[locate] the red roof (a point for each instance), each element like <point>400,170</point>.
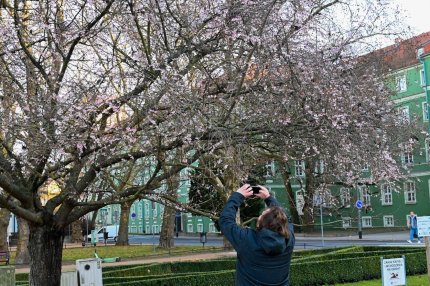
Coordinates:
<point>404,52</point>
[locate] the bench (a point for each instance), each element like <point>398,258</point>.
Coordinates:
<point>4,257</point>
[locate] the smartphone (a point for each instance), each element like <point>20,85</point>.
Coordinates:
<point>255,189</point>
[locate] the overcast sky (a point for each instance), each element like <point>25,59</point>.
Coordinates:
<point>418,14</point>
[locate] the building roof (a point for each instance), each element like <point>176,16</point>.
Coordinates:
<point>404,52</point>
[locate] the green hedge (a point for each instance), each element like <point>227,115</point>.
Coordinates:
<point>215,278</point>
<point>346,255</point>
<point>320,267</point>
<point>172,267</point>
<point>350,270</point>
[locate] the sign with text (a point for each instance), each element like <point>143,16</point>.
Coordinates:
<point>423,224</point>
<point>393,271</point>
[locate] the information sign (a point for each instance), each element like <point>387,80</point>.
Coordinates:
<point>393,271</point>
<point>423,224</point>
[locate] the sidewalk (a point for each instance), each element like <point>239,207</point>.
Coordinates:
<point>398,236</point>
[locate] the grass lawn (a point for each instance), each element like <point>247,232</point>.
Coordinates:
<point>131,251</point>
<point>419,280</point>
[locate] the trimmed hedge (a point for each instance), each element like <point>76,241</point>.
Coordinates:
<point>215,278</point>
<point>351,270</point>
<point>318,267</point>
<point>173,267</point>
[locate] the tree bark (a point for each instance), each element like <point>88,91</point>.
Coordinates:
<point>76,235</point>
<point>167,230</point>
<point>46,243</point>
<point>4,223</point>
<point>290,196</point>
<point>122,238</point>
<point>308,208</point>
<point>22,252</point>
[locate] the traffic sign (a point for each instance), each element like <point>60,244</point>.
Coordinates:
<point>358,204</point>
<point>133,215</point>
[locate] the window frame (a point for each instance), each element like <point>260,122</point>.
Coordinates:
<point>408,192</point>
<point>401,83</point>
<point>299,168</point>
<point>386,217</point>
<point>384,194</point>
<point>364,219</point>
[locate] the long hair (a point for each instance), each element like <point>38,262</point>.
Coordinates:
<point>276,220</point>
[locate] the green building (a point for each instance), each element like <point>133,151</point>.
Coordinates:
<point>383,205</point>
<point>386,205</point>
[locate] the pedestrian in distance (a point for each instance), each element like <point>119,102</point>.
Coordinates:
<point>413,228</point>
<point>263,254</point>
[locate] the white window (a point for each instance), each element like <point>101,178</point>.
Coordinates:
<point>189,227</point>
<point>410,193</point>
<point>147,210</point>
<point>147,229</point>
<point>155,229</point>
<point>425,112</point>
<point>401,83</point>
<point>365,167</point>
<point>300,168</point>
<point>270,168</point>
<point>345,197</point>
<point>407,155</point>
<point>422,78</point>
<point>388,220</point>
<point>319,167</point>
<point>364,194</point>
<point>212,227</point>
<point>324,199</point>
<point>154,211</point>
<point>366,221</point>
<point>346,222</point>
<point>199,227</point>
<point>386,195</point>
<point>403,113</point>
<point>139,211</point>
<point>427,149</point>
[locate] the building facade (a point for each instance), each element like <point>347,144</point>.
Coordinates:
<point>384,205</point>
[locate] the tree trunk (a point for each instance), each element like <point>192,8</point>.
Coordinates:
<point>4,223</point>
<point>122,238</point>
<point>22,253</point>
<point>45,245</point>
<point>290,196</point>
<point>308,208</point>
<point>76,235</point>
<point>167,230</point>
<point>92,225</point>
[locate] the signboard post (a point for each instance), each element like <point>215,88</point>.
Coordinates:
<point>423,225</point>
<point>359,205</point>
<point>393,271</point>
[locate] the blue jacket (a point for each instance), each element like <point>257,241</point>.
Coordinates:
<point>263,256</point>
